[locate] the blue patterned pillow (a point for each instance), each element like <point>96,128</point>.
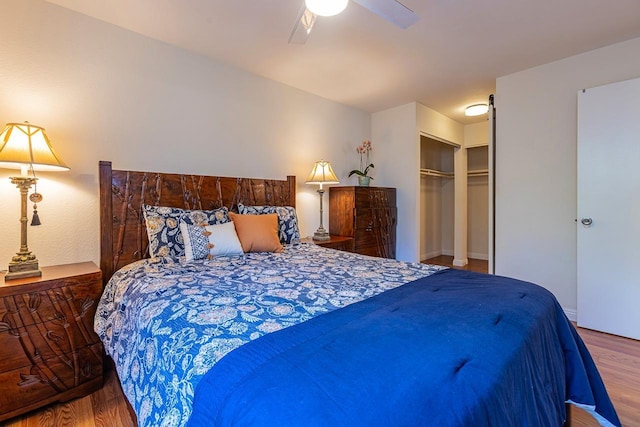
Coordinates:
<point>163,227</point>
<point>287,220</point>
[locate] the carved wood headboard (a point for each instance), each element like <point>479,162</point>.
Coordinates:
<point>123,235</point>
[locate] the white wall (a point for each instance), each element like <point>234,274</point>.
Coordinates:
<point>104,93</point>
<point>536,164</point>
<point>430,217</point>
<point>476,140</point>
<point>396,132</point>
<point>436,124</point>
<point>478,203</point>
<point>476,134</point>
<point>395,139</point>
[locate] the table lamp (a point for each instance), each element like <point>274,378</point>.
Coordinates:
<point>26,147</point>
<point>322,174</point>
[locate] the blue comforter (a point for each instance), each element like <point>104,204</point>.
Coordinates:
<point>451,349</point>
<point>165,322</point>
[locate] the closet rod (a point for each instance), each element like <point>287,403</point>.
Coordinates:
<point>479,172</point>
<point>433,172</point>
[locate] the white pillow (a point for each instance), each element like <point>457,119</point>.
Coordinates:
<point>211,240</point>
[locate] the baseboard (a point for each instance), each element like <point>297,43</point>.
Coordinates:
<point>571,314</point>
<point>429,255</point>
<point>447,252</point>
<point>478,255</point>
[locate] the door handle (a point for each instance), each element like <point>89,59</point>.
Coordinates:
<point>586,222</point>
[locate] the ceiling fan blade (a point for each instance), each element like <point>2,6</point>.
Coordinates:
<point>303,26</point>
<point>391,10</point>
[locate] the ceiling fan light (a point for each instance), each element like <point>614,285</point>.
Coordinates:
<point>326,7</point>
<point>476,110</point>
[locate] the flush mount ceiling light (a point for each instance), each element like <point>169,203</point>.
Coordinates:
<point>476,110</point>
<point>326,7</point>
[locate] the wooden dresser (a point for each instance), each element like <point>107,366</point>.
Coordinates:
<point>368,214</point>
<point>48,350</point>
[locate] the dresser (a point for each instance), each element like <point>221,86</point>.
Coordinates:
<point>48,350</point>
<point>368,214</point>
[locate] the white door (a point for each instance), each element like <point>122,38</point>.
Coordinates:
<point>609,208</point>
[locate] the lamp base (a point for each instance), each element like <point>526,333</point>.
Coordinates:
<point>23,264</point>
<point>321,235</point>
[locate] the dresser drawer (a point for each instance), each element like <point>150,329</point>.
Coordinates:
<point>374,197</point>
<point>372,236</point>
<point>375,218</point>
<point>48,377</point>
<point>381,251</point>
<point>45,305</point>
<point>48,340</point>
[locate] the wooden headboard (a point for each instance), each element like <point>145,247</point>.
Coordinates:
<point>123,235</point>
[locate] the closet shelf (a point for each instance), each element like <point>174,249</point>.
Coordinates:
<point>433,172</point>
<point>478,172</point>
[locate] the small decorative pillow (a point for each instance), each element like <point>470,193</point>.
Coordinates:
<point>207,241</point>
<point>163,227</point>
<point>257,233</point>
<point>288,230</point>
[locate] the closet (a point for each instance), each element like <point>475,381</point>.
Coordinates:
<point>437,192</point>
<point>478,202</point>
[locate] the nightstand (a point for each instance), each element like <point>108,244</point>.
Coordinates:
<point>341,243</point>
<point>48,350</point>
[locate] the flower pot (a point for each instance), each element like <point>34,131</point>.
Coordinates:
<point>363,181</point>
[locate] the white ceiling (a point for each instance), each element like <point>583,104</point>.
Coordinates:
<point>449,59</point>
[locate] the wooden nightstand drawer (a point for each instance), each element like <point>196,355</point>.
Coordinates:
<point>48,350</point>
<point>40,383</point>
<point>341,243</point>
<point>66,301</point>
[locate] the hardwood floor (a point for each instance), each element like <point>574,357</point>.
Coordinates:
<point>479,265</point>
<point>618,360</point>
<point>106,407</point>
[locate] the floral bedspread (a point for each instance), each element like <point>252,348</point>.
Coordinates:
<point>165,323</point>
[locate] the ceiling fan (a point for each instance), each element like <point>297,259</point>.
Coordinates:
<point>391,10</point>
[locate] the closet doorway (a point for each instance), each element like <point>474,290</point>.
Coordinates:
<point>437,197</point>
<point>478,204</point>
<point>442,200</point>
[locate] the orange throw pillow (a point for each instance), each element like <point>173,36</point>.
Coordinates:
<point>257,233</point>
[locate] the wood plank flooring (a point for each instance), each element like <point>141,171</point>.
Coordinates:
<point>479,265</point>
<point>106,407</point>
<point>618,360</point>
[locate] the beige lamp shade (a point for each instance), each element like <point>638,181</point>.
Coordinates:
<point>322,173</point>
<point>24,144</point>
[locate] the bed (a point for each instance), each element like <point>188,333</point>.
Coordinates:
<point>313,336</point>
